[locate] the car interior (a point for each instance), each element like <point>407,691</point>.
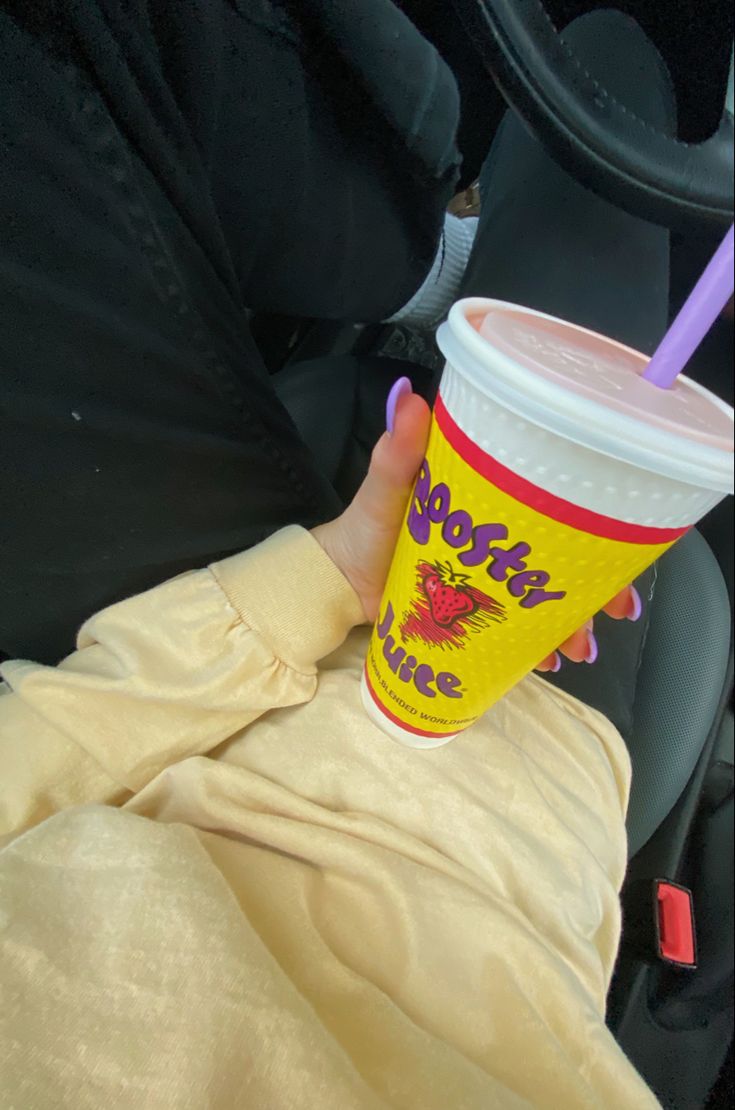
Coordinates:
<point>671,1003</point>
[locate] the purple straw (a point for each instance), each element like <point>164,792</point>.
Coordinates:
<point>702,307</point>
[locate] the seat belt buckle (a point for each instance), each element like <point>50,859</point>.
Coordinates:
<point>675,928</point>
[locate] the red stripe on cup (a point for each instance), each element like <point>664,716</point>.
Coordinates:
<point>557,508</point>
<point>397,720</point>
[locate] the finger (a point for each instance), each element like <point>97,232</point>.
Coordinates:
<point>551,663</point>
<point>398,454</point>
<point>581,647</point>
<point>396,459</point>
<point>626,605</point>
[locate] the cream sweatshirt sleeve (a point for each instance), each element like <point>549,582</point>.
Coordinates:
<point>169,674</point>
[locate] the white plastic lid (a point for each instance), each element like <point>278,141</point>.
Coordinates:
<point>589,389</point>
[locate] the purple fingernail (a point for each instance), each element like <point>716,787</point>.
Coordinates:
<point>557,663</point>
<point>403,385</point>
<point>637,605</point>
<point>592,650</point>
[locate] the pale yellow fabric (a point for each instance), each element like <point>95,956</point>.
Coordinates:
<point>259,900</point>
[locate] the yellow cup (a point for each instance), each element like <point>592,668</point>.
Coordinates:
<point>539,498</point>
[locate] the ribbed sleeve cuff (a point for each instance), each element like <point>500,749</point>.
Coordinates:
<point>441,285</point>
<point>289,590</point>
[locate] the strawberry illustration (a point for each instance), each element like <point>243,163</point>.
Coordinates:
<point>447,594</point>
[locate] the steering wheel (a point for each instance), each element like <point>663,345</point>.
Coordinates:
<point>591,134</point>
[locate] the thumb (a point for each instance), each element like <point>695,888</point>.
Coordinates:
<point>362,539</point>
<point>395,461</point>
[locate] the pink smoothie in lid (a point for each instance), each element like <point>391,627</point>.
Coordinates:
<point>606,373</point>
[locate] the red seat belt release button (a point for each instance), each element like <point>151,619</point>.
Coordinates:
<point>675,924</point>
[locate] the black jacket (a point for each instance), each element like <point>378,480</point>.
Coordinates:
<point>166,168</point>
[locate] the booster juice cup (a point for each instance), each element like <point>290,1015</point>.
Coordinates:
<point>554,475</point>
